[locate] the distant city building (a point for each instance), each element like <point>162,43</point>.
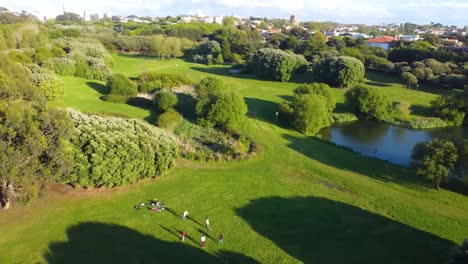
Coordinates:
<point>94,17</point>
<point>294,19</point>
<point>218,20</point>
<point>384,42</point>
<point>187,19</point>
<point>207,19</point>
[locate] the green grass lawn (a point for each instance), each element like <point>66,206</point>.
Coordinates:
<point>300,200</point>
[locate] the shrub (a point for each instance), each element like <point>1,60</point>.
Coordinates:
<point>51,85</point>
<point>344,118</point>
<point>449,108</point>
<point>319,89</point>
<point>340,71</point>
<point>164,100</point>
<point>369,102</point>
<point>208,90</point>
<point>310,113</point>
<point>111,151</point>
<point>119,84</point>
<point>62,66</point>
<point>228,111</point>
<point>151,81</point>
<point>409,79</point>
<point>169,119</point>
<point>274,64</point>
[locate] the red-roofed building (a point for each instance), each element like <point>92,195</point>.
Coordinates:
<point>384,42</point>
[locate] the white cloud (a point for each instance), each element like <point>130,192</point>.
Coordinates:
<point>357,11</point>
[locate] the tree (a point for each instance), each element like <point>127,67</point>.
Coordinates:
<point>274,64</point>
<point>165,100</point>
<point>208,90</point>
<point>228,111</point>
<point>120,84</point>
<point>169,119</point>
<point>369,102</point>
<point>310,113</point>
<point>450,108</point>
<point>409,79</point>
<point>434,160</point>
<point>340,71</point>
<point>318,89</point>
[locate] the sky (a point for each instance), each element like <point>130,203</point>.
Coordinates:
<point>449,12</point>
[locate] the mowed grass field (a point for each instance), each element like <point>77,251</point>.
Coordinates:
<point>300,200</point>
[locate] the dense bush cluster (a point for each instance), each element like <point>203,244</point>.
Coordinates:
<point>152,81</point>
<point>169,119</point>
<point>216,107</point>
<point>120,84</point>
<point>340,71</point>
<point>159,45</point>
<point>164,100</point>
<point>431,71</point>
<point>209,144</point>
<point>110,151</point>
<point>452,109</point>
<point>276,64</point>
<point>311,108</point>
<point>83,59</point>
<point>369,102</point>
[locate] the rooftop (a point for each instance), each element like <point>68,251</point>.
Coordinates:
<point>382,39</point>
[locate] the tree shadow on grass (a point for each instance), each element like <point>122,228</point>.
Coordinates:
<point>377,84</point>
<point>422,110</point>
<point>186,106</point>
<point>262,109</point>
<point>98,87</point>
<point>298,78</point>
<point>345,159</point>
<point>92,242</point>
<point>319,230</point>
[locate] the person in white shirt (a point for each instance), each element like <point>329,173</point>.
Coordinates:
<point>207,224</point>
<point>203,241</point>
<point>184,216</point>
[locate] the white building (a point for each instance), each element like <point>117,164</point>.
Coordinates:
<point>218,20</point>
<point>408,37</point>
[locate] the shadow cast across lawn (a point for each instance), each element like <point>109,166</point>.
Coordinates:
<point>224,71</point>
<point>93,242</point>
<point>347,160</point>
<point>262,109</point>
<point>98,87</point>
<point>319,230</point>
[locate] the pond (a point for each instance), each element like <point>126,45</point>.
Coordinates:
<point>386,142</point>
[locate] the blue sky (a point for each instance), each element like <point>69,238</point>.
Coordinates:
<point>452,12</point>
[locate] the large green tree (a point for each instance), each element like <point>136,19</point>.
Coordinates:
<point>434,160</point>
<point>340,71</point>
<point>369,102</point>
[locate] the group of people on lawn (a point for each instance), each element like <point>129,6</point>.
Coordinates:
<point>203,238</point>
<point>159,207</point>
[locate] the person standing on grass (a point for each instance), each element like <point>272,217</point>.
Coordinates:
<point>184,216</point>
<point>203,241</point>
<point>182,234</point>
<point>220,239</point>
<point>207,224</point>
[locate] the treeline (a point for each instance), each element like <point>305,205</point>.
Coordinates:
<point>160,45</point>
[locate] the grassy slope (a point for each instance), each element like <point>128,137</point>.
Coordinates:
<point>301,200</point>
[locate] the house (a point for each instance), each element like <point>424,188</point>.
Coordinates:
<point>384,42</point>
<point>218,20</point>
<point>186,19</point>
<point>207,19</point>
<point>408,37</point>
